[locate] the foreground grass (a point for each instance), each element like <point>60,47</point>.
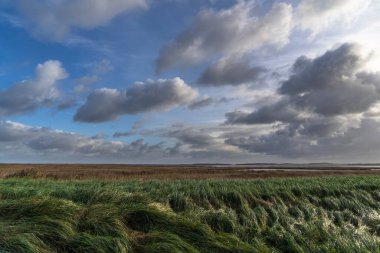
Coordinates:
<point>326,214</point>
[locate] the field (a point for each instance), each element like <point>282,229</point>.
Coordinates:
<point>170,172</point>
<point>308,214</point>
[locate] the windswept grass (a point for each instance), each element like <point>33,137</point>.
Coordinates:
<point>326,214</point>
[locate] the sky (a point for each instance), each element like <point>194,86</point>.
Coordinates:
<point>189,81</point>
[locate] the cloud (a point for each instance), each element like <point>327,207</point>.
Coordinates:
<point>334,139</point>
<point>192,144</point>
<point>55,20</point>
<point>108,104</point>
<point>334,83</point>
<point>206,101</point>
<point>330,85</point>
<point>97,70</point>
<point>67,103</point>
<point>200,144</point>
<point>267,114</point>
<point>192,137</point>
<point>324,104</point>
<point>317,15</point>
<point>83,83</point>
<point>231,71</point>
<point>19,141</point>
<point>243,29</point>
<point>29,95</point>
<point>230,31</point>
<point>135,127</point>
<point>55,145</point>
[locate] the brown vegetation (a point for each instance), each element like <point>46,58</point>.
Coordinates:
<point>146,172</point>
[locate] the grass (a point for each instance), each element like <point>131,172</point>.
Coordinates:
<point>171,172</point>
<point>320,214</point>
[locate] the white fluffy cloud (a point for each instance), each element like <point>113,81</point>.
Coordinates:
<point>241,29</point>
<point>29,95</point>
<point>229,31</point>
<point>161,95</point>
<point>54,20</point>
<point>316,15</point>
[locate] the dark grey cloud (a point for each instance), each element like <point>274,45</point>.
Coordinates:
<point>12,131</point>
<point>67,103</point>
<point>108,104</point>
<point>323,105</point>
<point>323,127</point>
<point>231,71</point>
<point>230,31</point>
<point>206,101</point>
<point>200,144</point>
<point>29,95</point>
<point>333,84</point>
<point>324,140</point>
<point>279,143</point>
<point>192,137</point>
<point>203,102</point>
<point>55,20</point>
<point>330,85</point>
<point>278,112</point>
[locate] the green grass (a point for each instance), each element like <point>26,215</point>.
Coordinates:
<point>326,214</point>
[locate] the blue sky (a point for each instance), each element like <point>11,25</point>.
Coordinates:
<point>180,81</point>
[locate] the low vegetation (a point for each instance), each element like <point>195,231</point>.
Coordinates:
<point>174,172</point>
<point>321,214</point>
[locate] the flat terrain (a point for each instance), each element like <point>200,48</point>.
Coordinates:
<point>298,215</point>
<point>148,172</point>
<point>162,209</point>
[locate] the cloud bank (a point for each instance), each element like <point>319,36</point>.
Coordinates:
<point>54,145</point>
